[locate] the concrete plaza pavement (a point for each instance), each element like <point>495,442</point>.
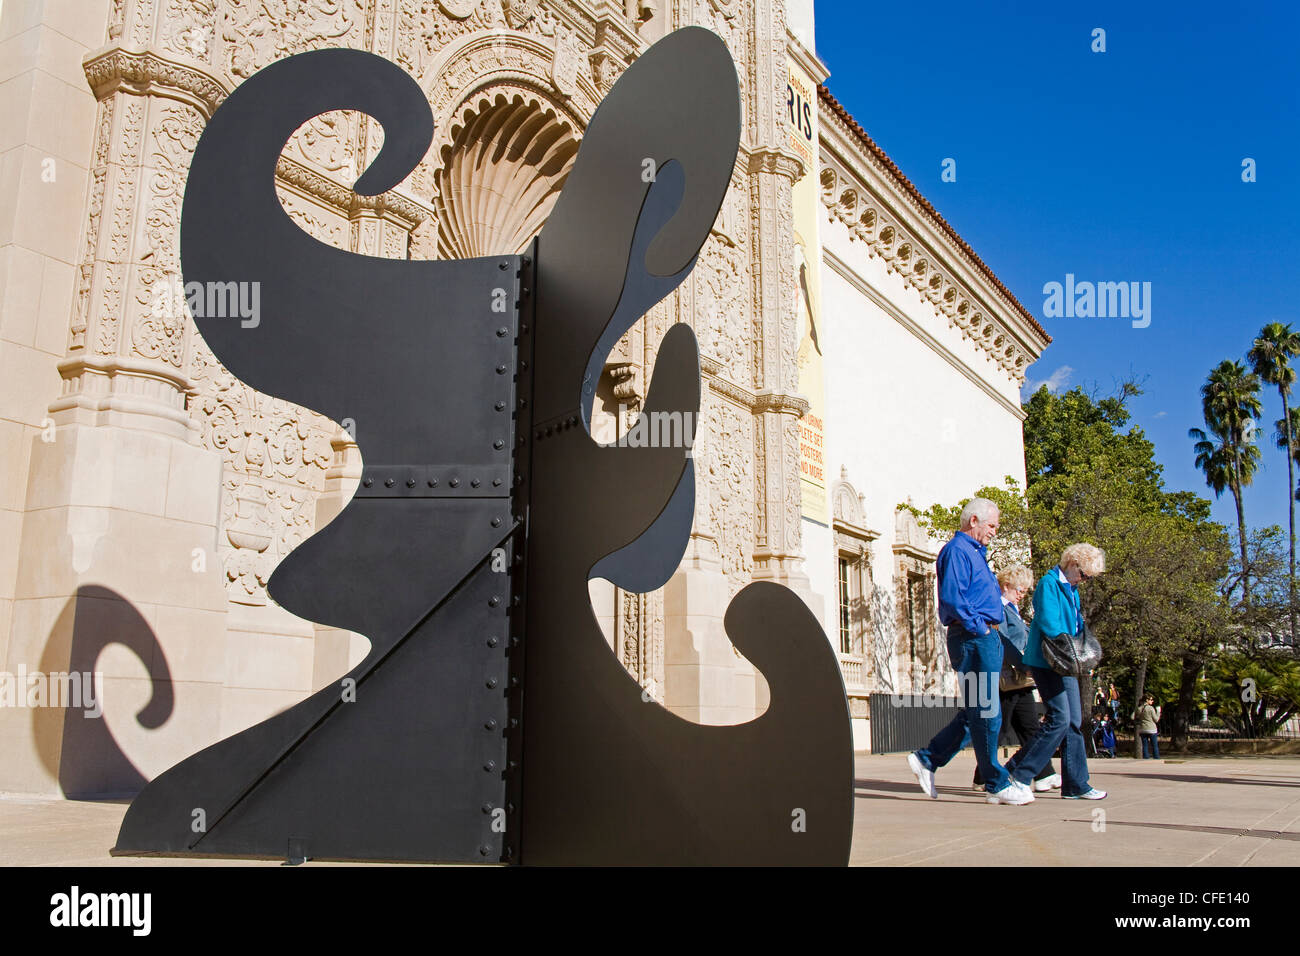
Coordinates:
<point>1198,811</point>
<point>1194,811</point>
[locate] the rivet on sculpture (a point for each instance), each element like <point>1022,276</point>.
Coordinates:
<point>490,722</point>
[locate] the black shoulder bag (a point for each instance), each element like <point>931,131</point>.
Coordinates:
<point>1072,656</point>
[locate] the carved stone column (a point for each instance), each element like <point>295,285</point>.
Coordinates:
<point>778,554</point>
<point>773,169</point>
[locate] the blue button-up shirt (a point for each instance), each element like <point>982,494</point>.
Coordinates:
<point>969,595</point>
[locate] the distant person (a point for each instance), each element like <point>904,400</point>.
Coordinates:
<point>1056,612</point>
<point>1147,717</point>
<point>1105,735</point>
<point>970,607</point>
<point>1016,685</point>
<point>1114,701</point>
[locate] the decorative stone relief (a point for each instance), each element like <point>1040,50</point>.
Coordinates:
<point>274,459</point>
<point>175,133</point>
<point>311,218</point>
<point>95,210</point>
<point>328,142</point>
<point>426,26</point>
<point>722,305</point>
<point>188,27</point>
<point>727,466</point>
<point>726,18</point>
<point>567,61</point>
<point>159,333</point>
<point>950,299</point>
<point>257,32</point>
<point>142,22</point>
<point>519,12</point>
<point>158,329</point>
<point>126,172</point>
<point>639,638</point>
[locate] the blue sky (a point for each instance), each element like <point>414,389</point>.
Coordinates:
<point>1117,166</point>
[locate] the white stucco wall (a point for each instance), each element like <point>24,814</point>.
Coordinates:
<point>907,417</point>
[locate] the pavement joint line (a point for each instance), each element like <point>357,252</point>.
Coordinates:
<point>1239,836</point>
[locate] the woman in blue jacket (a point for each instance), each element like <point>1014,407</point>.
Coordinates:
<point>1056,611</point>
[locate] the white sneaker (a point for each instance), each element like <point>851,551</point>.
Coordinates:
<point>1092,794</point>
<point>1013,793</point>
<point>1048,783</point>
<point>924,776</point>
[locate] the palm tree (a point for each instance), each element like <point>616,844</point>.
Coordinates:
<point>1230,404</point>
<point>1282,439</point>
<point>1270,358</point>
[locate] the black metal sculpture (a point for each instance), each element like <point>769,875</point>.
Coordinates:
<point>490,721</point>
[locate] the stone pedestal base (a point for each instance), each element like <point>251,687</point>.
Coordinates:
<point>118,577</point>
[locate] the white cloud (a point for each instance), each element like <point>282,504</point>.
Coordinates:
<point>1054,382</point>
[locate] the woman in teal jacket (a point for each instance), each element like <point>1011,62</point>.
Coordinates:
<point>1056,611</point>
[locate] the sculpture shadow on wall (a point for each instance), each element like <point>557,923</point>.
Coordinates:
<point>80,749</point>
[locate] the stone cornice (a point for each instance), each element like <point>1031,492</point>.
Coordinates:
<point>147,72</point>
<point>846,272</point>
<point>344,200</point>
<point>759,402</point>
<point>919,256</point>
<point>853,530</point>
<point>767,400</point>
<point>898,199</point>
<point>912,551</point>
<point>613,30</point>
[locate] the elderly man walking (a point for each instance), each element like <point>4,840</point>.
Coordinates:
<point>970,606</point>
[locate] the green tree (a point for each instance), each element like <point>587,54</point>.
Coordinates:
<point>1230,404</point>
<point>1270,358</point>
<point>1010,546</point>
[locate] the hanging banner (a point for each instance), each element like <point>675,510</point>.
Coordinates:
<point>801,134</point>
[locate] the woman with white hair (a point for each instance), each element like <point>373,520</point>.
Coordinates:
<point>1056,612</point>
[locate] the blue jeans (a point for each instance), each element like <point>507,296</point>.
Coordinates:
<point>1150,746</point>
<point>1062,728</point>
<point>978,662</point>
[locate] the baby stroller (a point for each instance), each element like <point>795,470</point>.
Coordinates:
<point>1103,736</point>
